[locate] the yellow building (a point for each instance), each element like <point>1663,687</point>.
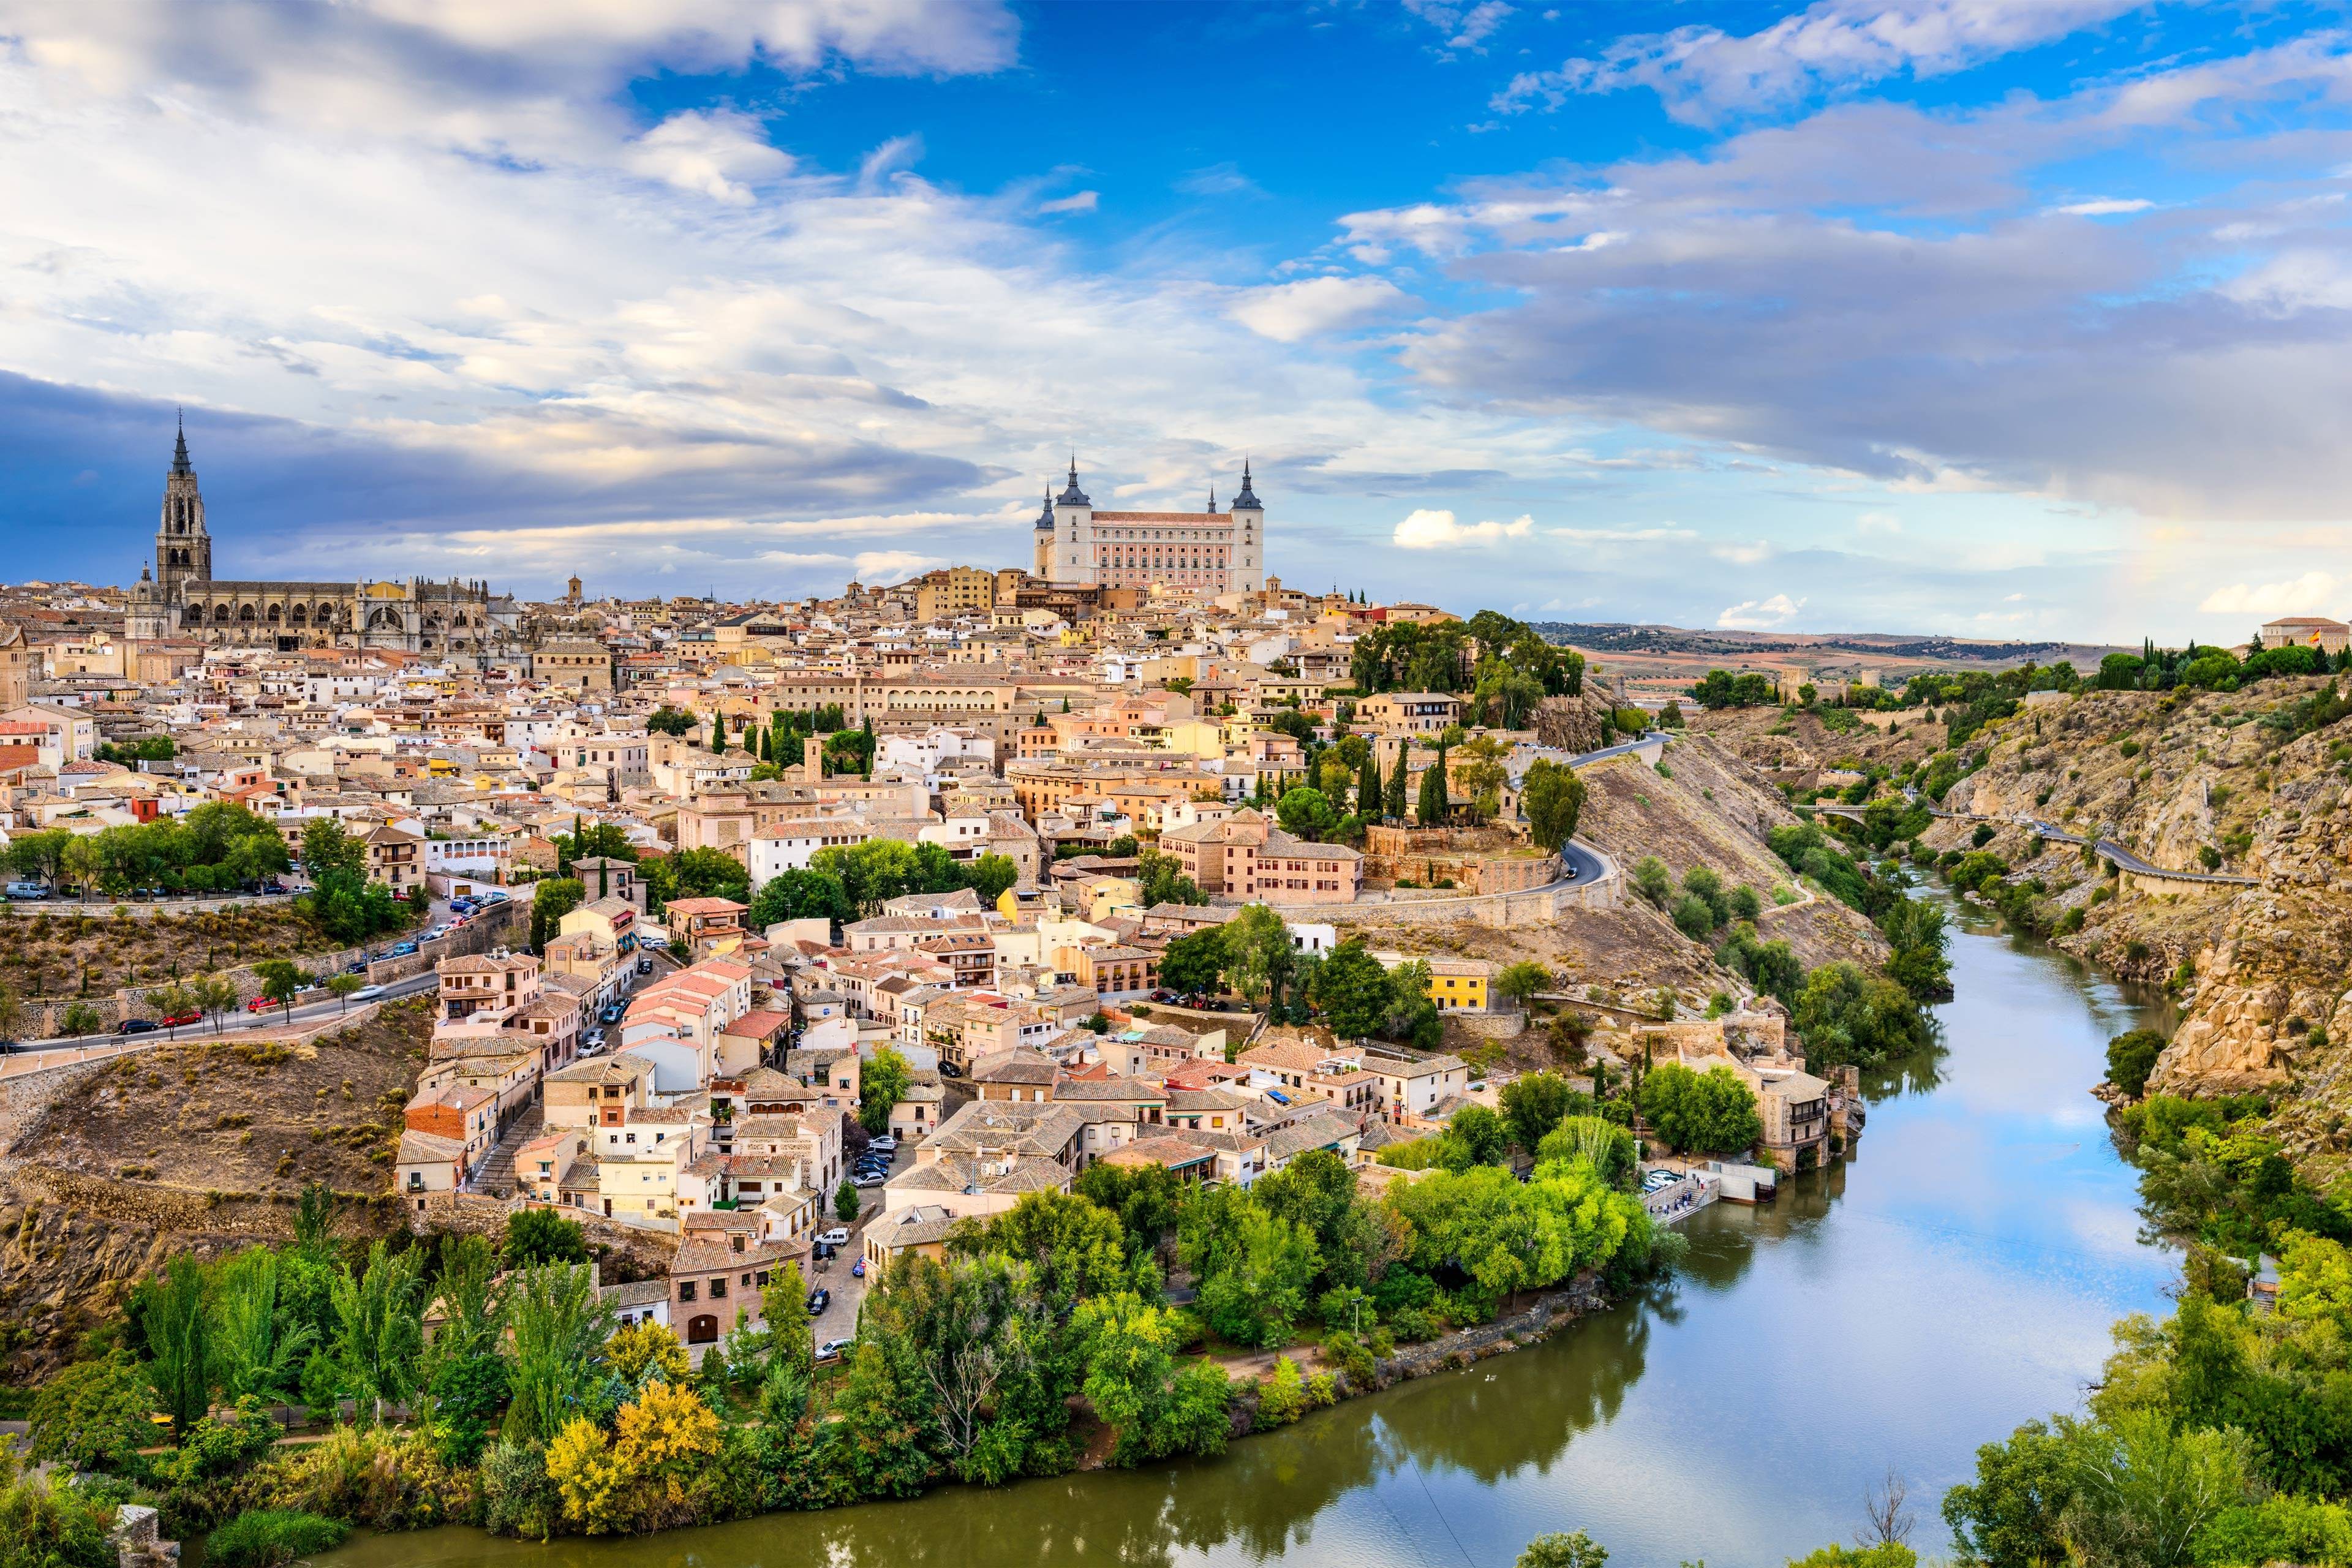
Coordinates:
<point>954,591</point>
<point>1455,985</point>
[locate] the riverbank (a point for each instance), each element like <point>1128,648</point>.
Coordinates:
<point>1958,1276</point>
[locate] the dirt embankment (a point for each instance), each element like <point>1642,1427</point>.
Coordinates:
<point>1810,740</point>
<point>1708,808</point>
<point>2236,782</point>
<point>199,1147</point>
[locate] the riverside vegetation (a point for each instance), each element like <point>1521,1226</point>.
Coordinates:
<point>1043,1341</point>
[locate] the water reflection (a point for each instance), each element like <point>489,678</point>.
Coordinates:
<point>1957,1276</point>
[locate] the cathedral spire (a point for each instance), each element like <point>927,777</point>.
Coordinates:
<point>179,449</point>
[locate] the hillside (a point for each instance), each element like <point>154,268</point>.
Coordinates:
<point>1709,808</point>
<point>2248,784</point>
<point>197,1147</point>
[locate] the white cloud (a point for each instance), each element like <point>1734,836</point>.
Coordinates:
<point>2300,595</point>
<point>1761,614</point>
<point>1077,202</point>
<point>1428,530</point>
<point>892,565</point>
<point>1466,27</point>
<point>1621,535</point>
<point>1703,72</point>
<point>1743,554</point>
<point>1218,180</point>
<point>715,154</point>
<point>2105,207</point>
<point>1287,312</point>
<point>1878,522</point>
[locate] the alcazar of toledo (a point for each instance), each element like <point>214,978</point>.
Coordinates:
<point>455,619</point>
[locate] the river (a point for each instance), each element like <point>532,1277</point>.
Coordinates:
<point>1956,1278</point>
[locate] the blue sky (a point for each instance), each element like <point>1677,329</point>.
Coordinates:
<point>2000,317</point>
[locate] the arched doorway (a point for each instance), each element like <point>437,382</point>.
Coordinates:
<point>702,1330</point>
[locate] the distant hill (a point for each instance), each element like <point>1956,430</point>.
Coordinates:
<point>1616,637</point>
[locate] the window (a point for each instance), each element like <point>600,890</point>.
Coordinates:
<point>686,1290</point>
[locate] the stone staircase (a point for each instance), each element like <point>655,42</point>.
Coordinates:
<point>496,1174</point>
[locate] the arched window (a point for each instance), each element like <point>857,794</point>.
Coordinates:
<point>220,614</point>
<point>244,614</point>
<point>273,614</point>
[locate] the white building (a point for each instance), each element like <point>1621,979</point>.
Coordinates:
<point>1208,552</point>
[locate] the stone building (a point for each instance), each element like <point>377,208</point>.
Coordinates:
<point>459,619</point>
<point>1205,553</point>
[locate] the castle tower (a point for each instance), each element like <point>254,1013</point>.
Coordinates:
<point>184,551</point>
<point>1044,548</point>
<point>1248,573</point>
<point>1073,557</point>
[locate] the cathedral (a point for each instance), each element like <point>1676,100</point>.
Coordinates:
<point>458,620</point>
<point>1207,552</point>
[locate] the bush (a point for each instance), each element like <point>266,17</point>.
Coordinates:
<point>1284,1398</point>
<point>1653,880</point>
<point>2131,1058</point>
<point>267,1537</point>
<point>1693,918</point>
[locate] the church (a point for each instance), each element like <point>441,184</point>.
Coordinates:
<point>1205,553</point>
<point>456,620</point>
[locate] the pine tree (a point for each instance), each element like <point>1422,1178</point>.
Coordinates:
<point>1368,788</point>
<point>1432,807</point>
<point>1393,803</point>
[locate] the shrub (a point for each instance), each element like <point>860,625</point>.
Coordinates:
<point>1693,918</point>
<point>2131,1058</point>
<point>1284,1398</point>
<point>1653,880</point>
<point>267,1537</point>
<point>518,1498</point>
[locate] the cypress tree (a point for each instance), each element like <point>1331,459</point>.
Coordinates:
<point>1431,806</point>
<point>1393,803</point>
<point>1368,788</point>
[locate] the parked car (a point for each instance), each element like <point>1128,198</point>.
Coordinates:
<point>819,1299</point>
<point>820,1251</point>
<point>832,1349</point>
<point>868,1179</point>
<point>837,1237</point>
<point>180,1020</point>
<point>271,888</point>
<point>653,939</point>
<point>367,993</point>
<point>1163,994</point>
<point>594,1039</point>
<point>884,1144</point>
<point>137,1026</point>
<point>610,1016</point>
<point>28,891</point>
<point>857,1269</point>
<point>494,898</point>
<point>462,906</point>
<point>357,967</point>
<point>645,966</point>
<point>948,1069</point>
<point>404,950</point>
<point>259,1004</point>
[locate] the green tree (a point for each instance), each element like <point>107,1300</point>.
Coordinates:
<point>1307,812</point>
<point>1393,798</point>
<point>342,986</point>
<point>280,980</point>
<point>1258,953</point>
<point>1254,1269</point>
<point>558,1326</point>
<point>990,876</point>
<point>1846,1013</point>
<point>379,1333</point>
<point>1134,1387</point>
<point>1710,1112</point>
<point>1533,1105</point>
<point>2011,1515</point>
<point>1476,1136</point>
<point>882,1081</point>
<point>1653,881</point>
<point>668,721</point>
<point>2131,1058</point>
<point>1432,807</point>
<point>93,1414</point>
<point>1352,990</point>
<point>799,895</point>
<point>178,1330</point>
<point>258,1346</point>
<point>550,900</point>
<point>1563,1551</point>
<point>1368,787</point>
<point>1194,963</point>
<point>845,1201</point>
<point>1163,881</point>
<point>542,1236</point>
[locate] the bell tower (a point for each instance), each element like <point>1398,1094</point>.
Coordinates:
<point>184,551</point>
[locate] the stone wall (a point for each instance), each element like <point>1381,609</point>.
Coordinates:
<point>1424,907</point>
<point>1475,859</point>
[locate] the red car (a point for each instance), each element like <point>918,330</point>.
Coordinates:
<point>259,1004</point>
<point>174,1023</point>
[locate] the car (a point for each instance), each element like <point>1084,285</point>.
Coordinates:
<point>494,898</point>
<point>594,1039</point>
<point>868,1179</point>
<point>645,966</point>
<point>653,939</point>
<point>857,1269</point>
<point>819,1299</point>
<point>837,1237</point>
<point>402,949</point>
<point>820,1251</point>
<point>356,966</point>
<point>137,1026</point>
<point>833,1350</point>
<point>462,906</point>
<point>884,1144</point>
<point>948,1069</point>
<point>1163,994</point>
<point>873,1162</point>
<point>272,889</point>
<point>180,1020</point>
<point>27,891</point>
<point>367,993</point>
<point>259,1004</point>
<point>609,1016</point>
